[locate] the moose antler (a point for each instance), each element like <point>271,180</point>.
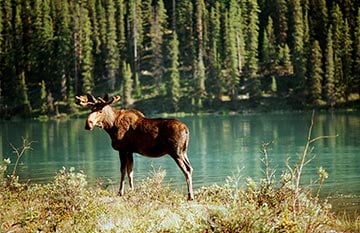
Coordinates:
<point>85,100</point>
<point>90,100</point>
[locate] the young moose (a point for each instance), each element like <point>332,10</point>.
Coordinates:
<point>131,132</point>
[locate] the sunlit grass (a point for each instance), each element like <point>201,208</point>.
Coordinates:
<point>68,204</point>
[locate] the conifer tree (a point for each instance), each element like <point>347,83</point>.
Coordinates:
<point>23,94</point>
<point>63,45</point>
<point>281,22</point>
<point>199,74</point>
<point>298,55</point>
<point>215,85</point>
<point>43,107</point>
<point>135,37</point>
<point>357,54</point>
<point>315,74</point>
<point>127,84</point>
<point>269,45</point>
<point>346,44</point>
<point>234,47</point>
<point>329,89</point>
<point>86,59</point>
<point>251,46</point>
<point>158,22</point>
<point>112,50</point>
<point>337,29</point>
<point>174,91</point>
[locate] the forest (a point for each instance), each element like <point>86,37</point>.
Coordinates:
<point>178,56</point>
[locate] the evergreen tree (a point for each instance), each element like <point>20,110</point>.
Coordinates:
<point>135,35</point>
<point>298,55</point>
<point>269,46</point>
<point>127,84</point>
<point>199,74</point>
<point>215,85</point>
<point>23,94</point>
<point>112,50</point>
<point>281,22</point>
<point>337,29</point>
<point>86,59</point>
<point>174,91</point>
<point>251,46</point>
<point>157,31</point>
<point>357,54</point>
<point>329,89</point>
<point>234,48</point>
<point>63,48</point>
<point>1,53</point>
<point>43,99</point>
<point>315,74</point>
<point>346,44</point>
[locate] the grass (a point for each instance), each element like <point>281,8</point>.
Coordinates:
<point>69,204</point>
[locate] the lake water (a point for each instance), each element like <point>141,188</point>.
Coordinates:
<point>220,146</point>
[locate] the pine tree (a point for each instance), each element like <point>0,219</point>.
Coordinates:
<point>234,49</point>
<point>43,99</point>
<point>157,31</point>
<point>251,46</point>
<point>199,74</point>
<point>112,50</point>
<point>87,61</point>
<point>329,89</point>
<point>269,46</point>
<point>357,54</point>
<point>315,74</point>
<point>346,44</point>
<point>174,91</point>
<point>215,85</point>
<point>63,48</point>
<point>298,54</point>
<point>127,84</point>
<point>136,21</point>
<point>337,29</point>
<point>23,94</point>
<point>281,22</point>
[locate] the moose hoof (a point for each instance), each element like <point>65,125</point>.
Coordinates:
<point>190,197</point>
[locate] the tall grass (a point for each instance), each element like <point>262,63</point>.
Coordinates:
<point>69,204</point>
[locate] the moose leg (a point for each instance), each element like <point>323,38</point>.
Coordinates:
<point>130,165</point>
<point>123,165</point>
<point>185,166</point>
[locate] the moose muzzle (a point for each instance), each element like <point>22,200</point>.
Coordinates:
<point>89,125</point>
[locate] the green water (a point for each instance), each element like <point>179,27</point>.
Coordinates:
<point>220,146</point>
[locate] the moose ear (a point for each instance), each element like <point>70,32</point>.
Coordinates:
<point>106,97</point>
<point>91,98</point>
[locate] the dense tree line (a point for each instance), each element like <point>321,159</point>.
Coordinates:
<point>187,54</point>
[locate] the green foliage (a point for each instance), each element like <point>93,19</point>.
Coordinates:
<point>127,84</point>
<point>226,49</point>
<point>315,74</point>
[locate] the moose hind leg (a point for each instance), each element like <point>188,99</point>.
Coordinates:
<point>186,168</point>
<point>130,165</point>
<point>123,166</point>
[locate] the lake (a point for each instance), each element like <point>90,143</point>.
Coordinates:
<point>220,146</point>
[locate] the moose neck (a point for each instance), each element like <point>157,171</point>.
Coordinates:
<point>109,117</point>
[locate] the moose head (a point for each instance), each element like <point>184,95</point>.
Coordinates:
<point>101,113</point>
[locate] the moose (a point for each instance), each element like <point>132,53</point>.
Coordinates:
<point>131,132</point>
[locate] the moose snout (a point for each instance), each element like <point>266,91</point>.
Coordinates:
<point>89,125</point>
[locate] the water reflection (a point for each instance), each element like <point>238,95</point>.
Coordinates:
<point>219,147</point>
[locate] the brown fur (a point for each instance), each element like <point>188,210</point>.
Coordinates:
<point>131,132</point>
